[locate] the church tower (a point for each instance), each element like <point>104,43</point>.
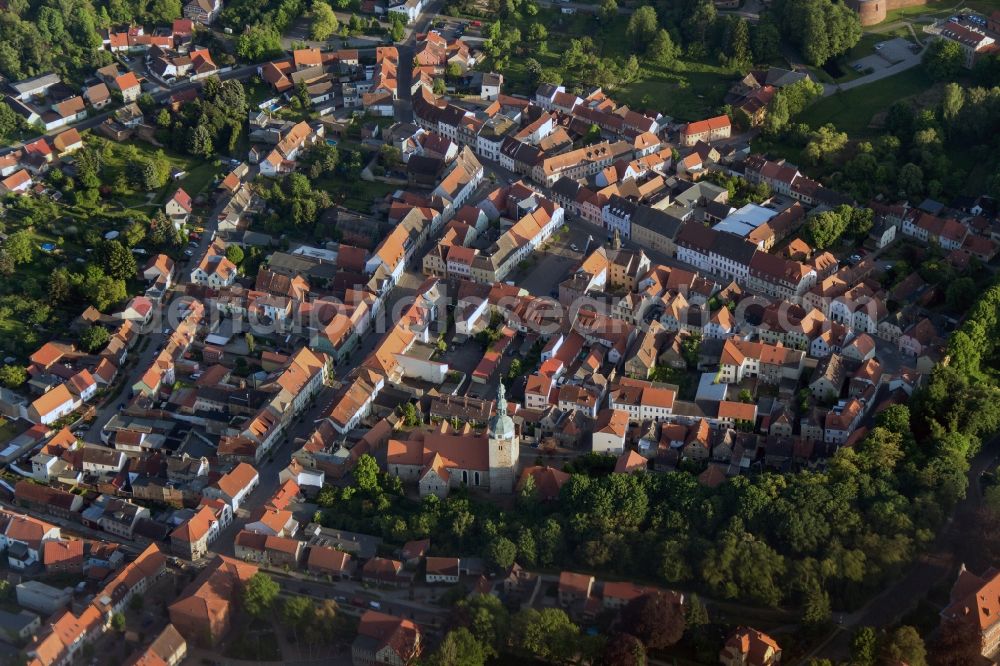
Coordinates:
<point>504,448</point>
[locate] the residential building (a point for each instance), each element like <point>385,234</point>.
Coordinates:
<point>385,639</point>
<point>975,600</point>
<point>749,647</point>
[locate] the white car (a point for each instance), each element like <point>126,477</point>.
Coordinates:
<point>574,247</point>
<point>188,253</point>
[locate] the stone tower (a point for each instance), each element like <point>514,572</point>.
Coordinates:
<point>504,448</point>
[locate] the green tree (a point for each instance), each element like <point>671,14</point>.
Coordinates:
<point>118,622</point>
<point>165,11</point>
<point>765,41</point>
<point>825,229</point>
<point>960,294</point>
<point>655,618</point>
<point>904,645</point>
<point>134,233</point>
<point>642,27</point>
<point>94,338</point>
<point>864,647</point>
<point>60,285</point>
<point>116,260</point>
<point>824,143</point>
<point>397,27</point>
<point>777,116</point>
<point>738,47</point>
<point>259,595</point>
<point>662,49</point>
<point>324,21</point>
<point>13,376</point>
<point>822,29</point>
<point>911,179</point>
<point>102,290</point>
<point>453,70</point>
<point>547,634</point>
<point>200,143</point>
<point>9,122</point>
<point>258,43</point>
<point>439,87</point>
<point>816,609</point>
<point>20,247</point>
<point>500,553</point>
<point>697,614</point>
<point>297,614</point>
<point>623,650</point>
<point>411,417</point>
<point>608,11</point>
<point>487,619</point>
<point>943,59</point>
<point>366,474</point>
<point>234,253</point>
<point>459,648</point>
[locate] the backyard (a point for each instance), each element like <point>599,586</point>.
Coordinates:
<point>355,194</point>
<point>198,174</point>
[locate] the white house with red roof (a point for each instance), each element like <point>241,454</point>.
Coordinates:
<point>138,310</point>
<point>128,85</point>
<point>17,183</point>
<point>178,207</point>
<point>233,487</point>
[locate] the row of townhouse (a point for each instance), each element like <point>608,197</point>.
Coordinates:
<point>537,219</point>
<point>323,74</point>
<point>68,379</point>
<point>787,180</point>
<point>390,362</point>
<point>537,150</point>
<point>64,636</point>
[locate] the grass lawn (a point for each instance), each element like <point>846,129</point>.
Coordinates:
<point>865,47</point>
<point>691,94</point>
<point>8,431</point>
<point>930,9</point>
<point>852,111</point>
<point>199,174</point>
<point>983,6</point>
<point>199,178</point>
<point>257,91</point>
<point>357,195</point>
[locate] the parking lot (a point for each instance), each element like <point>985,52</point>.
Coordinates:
<point>887,54</point>
<point>548,268</point>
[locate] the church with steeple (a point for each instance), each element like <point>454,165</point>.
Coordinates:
<point>441,458</point>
